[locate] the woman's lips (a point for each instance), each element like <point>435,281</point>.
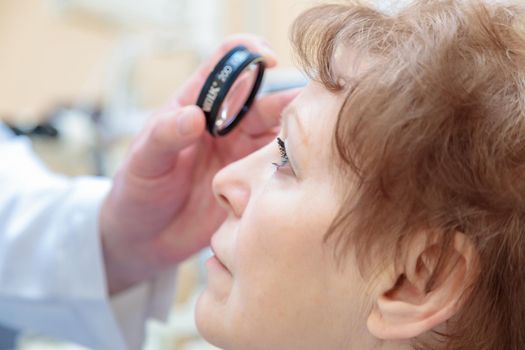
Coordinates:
<point>216,260</point>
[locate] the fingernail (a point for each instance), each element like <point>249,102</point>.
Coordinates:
<point>265,42</point>
<point>267,49</point>
<point>185,123</point>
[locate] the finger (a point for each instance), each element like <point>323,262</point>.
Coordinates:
<point>155,153</point>
<point>190,89</point>
<point>252,42</point>
<point>265,113</point>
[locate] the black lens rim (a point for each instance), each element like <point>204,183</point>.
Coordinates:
<point>222,86</point>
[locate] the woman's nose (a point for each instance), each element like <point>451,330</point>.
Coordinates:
<point>231,188</point>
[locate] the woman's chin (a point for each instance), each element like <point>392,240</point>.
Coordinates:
<point>209,318</point>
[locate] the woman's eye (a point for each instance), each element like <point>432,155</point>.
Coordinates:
<point>284,161</point>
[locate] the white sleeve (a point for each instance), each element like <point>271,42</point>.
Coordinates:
<point>52,278</point>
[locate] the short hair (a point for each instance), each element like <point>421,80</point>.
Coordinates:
<point>434,132</point>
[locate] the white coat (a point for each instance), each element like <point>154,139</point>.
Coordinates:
<point>52,278</point>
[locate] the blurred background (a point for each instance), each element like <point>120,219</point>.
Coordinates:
<point>81,77</point>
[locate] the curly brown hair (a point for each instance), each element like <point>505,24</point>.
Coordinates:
<point>434,129</point>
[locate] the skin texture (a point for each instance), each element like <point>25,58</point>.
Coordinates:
<point>274,284</point>
<point>163,188</point>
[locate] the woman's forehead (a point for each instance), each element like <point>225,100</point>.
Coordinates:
<point>316,108</point>
<point>310,121</point>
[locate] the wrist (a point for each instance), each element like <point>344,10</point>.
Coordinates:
<point>119,276</point>
<point>124,263</point>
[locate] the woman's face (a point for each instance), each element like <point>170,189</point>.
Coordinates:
<point>274,283</point>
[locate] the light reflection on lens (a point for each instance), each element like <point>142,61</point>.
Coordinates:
<point>237,96</point>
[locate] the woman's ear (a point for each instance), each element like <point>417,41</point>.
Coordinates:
<point>404,307</point>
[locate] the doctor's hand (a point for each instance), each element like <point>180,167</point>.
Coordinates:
<point>161,208</point>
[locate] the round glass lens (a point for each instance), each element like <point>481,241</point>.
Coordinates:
<point>237,96</point>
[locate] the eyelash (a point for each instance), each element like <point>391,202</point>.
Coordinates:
<point>284,156</point>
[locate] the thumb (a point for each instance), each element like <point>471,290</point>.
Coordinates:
<point>155,151</point>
